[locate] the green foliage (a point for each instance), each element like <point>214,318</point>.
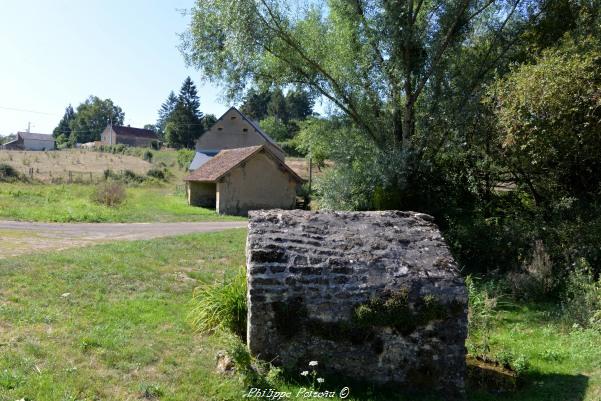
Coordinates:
<point>581,300</point>
<point>63,129</point>
<point>165,111</point>
<point>549,116</point>
<point>275,128</point>
<point>185,157</point>
<point>147,155</point>
<point>183,124</point>
<point>109,193</point>
<point>157,173</point>
<point>91,118</point>
<point>481,308</point>
<point>8,172</point>
<point>221,305</point>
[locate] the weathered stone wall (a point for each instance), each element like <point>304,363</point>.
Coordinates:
<point>374,296</point>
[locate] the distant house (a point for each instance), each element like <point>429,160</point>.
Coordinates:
<point>232,130</point>
<point>242,179</point>
<point>30,141</point>
<point>117,134</point>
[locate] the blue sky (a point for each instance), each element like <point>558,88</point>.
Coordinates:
<point>56,52</point>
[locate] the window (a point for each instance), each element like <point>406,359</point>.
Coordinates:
<point>232,117</point>
<point>244,129</point>
<point>219,128</point>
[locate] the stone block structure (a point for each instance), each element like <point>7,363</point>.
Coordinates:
<point>374,296</point>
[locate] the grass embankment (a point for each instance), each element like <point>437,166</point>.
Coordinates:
<point>110,322</point>
<point>73,203</point>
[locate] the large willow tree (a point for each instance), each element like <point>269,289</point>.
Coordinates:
<point>372,59</point>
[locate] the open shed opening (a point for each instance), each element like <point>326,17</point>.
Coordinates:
<point>202,194</point>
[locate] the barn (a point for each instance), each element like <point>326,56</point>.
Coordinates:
<point>30,141</point>
<point>242,179</point>
<point>130,136</point>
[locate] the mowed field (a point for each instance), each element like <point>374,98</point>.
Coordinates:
<point>55,165</point>
<point>110,322</point>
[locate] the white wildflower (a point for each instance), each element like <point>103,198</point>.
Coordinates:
<point>304,373</point>
<point>320,380</point>
<point>313,363</point>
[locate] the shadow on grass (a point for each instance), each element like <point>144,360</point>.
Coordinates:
<point>537,387</point>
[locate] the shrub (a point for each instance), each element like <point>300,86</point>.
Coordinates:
<point>7,172</point>
<point>184,157</point>
<point>581,300</point>
<point>481,308</point>
<point>156,173</point>
<point>148,155</point>
<point>221,305</point>
<point>109,193</point>
<point>535,280</point>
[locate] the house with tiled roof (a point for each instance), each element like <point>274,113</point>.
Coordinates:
<point>130,136</point>
<point>30,141</point>
<point>235,181</point>
<point>232,130</point>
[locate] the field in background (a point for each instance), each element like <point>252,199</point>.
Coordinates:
<point>72,203</point>
<point>301,167</point>
<point>84,165</point>
<point>110,322</point>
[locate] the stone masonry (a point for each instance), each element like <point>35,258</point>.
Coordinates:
<point>373,296</point>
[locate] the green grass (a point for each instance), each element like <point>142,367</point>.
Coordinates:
<point>72,203</point>
<point>122,330</point>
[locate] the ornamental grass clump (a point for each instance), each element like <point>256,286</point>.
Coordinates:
<point>221,305</point>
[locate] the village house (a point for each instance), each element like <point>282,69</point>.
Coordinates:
<point>30,141</point>
<point>117,134</point>
<point>232,130</point>
<point>242,179</point>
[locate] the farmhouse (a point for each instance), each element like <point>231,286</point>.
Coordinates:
<point>117,134</point>
<point>242,179</point>
<point>30,141</point>
<point>232,130</point>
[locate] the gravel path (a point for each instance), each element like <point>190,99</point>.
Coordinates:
<point>19,237</point>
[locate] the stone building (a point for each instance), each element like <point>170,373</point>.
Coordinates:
<point>238,180</point>
<point>117,134</point>
<point>30,141</point>
<point>232,130</point>
<point>372,296</point>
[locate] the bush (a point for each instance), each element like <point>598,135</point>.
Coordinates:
<point>7,172</point>
<point>536,279</point>
<point>184,157</point>
<point>156,173</point>
<point>221,305</point>
<point>147,155</point>
<point>581,300</point>
<point>109,193</point>
<point>481,307</point>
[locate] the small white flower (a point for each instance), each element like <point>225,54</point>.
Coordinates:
<point>313,363</point>
<point>304,373</point>
<point>320,380</point>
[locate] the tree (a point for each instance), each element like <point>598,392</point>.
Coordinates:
<point>299,104</point>
<point>165,111</point>
<point>208,121</point>
<point>92,117</point>
<point>63,129</point>
<point>185,122</point>
<point>275,128</point>
<point>549,117</point>
<point>372,59</point>
<point>276,107</point>
<point>255,103</point>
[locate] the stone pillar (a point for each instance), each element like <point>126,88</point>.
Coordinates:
<point>375,296</point>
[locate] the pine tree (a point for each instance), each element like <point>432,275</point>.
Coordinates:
<point>185,122</point>
<point>63,129</point>
<point>165,111</point>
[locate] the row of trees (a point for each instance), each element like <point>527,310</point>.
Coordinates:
<point>278,114</point>
<point>435,107</point>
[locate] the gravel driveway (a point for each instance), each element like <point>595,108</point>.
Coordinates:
<point>19,237</point>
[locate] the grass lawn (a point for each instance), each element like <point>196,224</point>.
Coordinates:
<point>109,323</point>
<point>72,203</point>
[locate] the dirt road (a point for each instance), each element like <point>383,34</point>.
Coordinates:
<point>19,237</point>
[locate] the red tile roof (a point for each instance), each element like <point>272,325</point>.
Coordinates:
<point>228,159</point>
<point>136,132</point>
